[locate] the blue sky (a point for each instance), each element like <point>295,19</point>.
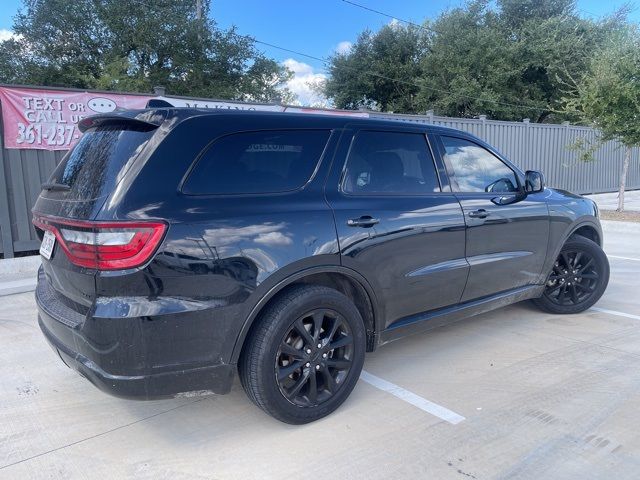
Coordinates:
<point>319,27</point>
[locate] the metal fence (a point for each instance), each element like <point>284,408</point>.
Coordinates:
<point>531,146</point>
<point>23,172</point>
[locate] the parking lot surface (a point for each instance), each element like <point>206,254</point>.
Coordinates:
<point>532,396</point>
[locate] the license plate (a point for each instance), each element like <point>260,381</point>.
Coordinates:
<point>48,242</point>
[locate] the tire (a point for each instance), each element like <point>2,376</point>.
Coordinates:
<point>591,265</point>
<point>280,364</point>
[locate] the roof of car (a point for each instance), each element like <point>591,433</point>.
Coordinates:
<point>156,116</point>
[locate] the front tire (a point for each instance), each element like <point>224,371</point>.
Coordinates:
<point>304,356</point>
<point>578,279</point>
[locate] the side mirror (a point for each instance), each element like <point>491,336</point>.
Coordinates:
<point>533,181</point>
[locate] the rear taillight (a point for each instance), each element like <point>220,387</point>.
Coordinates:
<point>105,245</point>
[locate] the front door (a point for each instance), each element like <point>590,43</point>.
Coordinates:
<point>395,225</point>
<point>507,232</point>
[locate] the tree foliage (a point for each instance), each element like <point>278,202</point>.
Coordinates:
<point>365,76</point>
<point>608,96</point>
<point>506,59</point>
<point>133,45</point>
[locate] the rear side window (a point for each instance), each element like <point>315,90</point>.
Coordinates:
<point>257,162</point>
<point>391,163</point>
<point>96,164</point>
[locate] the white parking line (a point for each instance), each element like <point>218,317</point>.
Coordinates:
<point>410,397</point>
<point>624,258</point>
<point>615,312</point>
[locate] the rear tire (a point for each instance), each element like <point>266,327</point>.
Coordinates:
<point>578,278</point>
<point>304,355</point>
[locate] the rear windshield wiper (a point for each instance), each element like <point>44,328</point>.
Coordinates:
<point>56,186</point>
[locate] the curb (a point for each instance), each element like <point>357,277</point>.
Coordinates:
<point>18,275</point>
<point>20,265</point>
<point>17,286</point>
<point>614,226</point>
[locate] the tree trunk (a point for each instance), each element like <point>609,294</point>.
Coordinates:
<point>623,179</point>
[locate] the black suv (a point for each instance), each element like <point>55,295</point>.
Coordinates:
<point>181,244</point>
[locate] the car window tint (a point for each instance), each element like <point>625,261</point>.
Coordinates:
<point>257,162</point>
<point>475,169</point>
<point>93,168</point>
<point>390,163</point>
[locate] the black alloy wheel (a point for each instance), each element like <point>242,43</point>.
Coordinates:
<point>578,278</point>
<point>574,278</point>
<point>314,358</point>
<point>304,354</point>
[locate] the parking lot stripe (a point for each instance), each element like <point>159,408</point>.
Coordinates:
<point>624,258</point>
<point>614,312</point>
<point>410,397</point>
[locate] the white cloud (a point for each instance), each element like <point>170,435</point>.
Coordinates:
<point>304,83</point>
<point>344,47</point>
<point>6,34</point>
<point>273,239</point>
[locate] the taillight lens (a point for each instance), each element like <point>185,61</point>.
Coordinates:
<point>105,245</point>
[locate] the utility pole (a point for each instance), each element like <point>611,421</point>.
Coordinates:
<point>199,10</point>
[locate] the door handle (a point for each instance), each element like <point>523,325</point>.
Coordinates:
<point>480,213</point>
<point>364,221</point>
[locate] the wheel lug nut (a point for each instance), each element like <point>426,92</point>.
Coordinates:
<point>317,367</point>
<point>324,355</point>
<point>308,364</point>
<point>319,345</point>
<point>308,350</point>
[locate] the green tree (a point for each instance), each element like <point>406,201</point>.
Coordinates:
<point>365,76</point>
<point>468,70</point>
<point>508,62</point>
<point>505,59</point>
<point>134,45</point>
<point>608,95</point>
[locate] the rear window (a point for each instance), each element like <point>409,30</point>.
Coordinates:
<point>257,162</point>
<point>96,164</point>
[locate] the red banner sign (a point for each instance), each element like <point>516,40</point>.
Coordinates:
<point>47,119</point>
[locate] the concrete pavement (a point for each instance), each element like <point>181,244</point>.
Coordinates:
<point>542,396</point>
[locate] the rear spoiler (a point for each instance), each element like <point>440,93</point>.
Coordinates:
<point>144,121</point>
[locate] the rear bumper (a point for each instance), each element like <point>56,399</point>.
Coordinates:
<point>119,366</point>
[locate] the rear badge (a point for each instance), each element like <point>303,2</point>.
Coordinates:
<point>48,242</point>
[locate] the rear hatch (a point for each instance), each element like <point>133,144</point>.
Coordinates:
<point>72,198</point>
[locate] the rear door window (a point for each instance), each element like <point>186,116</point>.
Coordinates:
<point>98,162</point>
<point>257,162</point>
<point>390,163</point>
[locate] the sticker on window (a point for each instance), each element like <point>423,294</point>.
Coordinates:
<point>273,147</point>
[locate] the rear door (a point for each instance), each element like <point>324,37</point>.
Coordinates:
<point>395,225</point>
<point>507,232</point>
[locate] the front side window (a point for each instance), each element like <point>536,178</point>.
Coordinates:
<point>475,169</point>
<point>257,162</point>
<point>390,163</point>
